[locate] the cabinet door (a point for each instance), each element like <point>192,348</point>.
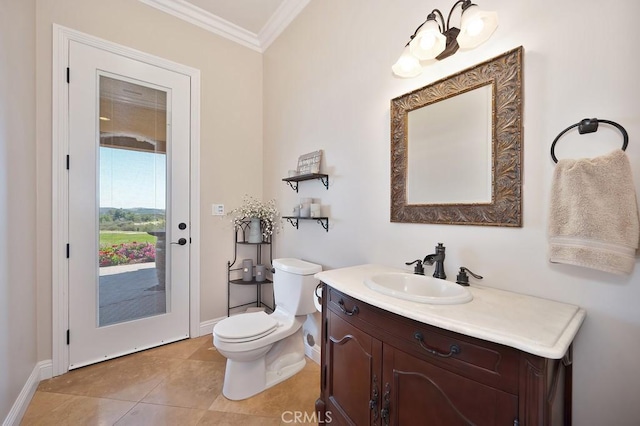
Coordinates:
<point>419,393</point>
<point>353,377</point>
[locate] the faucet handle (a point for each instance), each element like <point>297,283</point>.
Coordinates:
<point>419,269</point>
<point>463,278</point>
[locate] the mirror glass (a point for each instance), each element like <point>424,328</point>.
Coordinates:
<point>450,141</point>
<point>456,147</point>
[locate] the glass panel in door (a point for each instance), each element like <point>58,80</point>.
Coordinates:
<point>132,196</point>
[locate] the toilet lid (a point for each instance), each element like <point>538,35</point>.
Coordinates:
<point>245,327</point>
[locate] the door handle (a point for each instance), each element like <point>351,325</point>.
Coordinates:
<point>181,241</point>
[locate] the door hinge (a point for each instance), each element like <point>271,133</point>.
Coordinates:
<point>67,336</point>
<point>68,74</point>
<point>324,377</point>
<point>67,162</point>
<point>68,250</point>
<point>326,329</point>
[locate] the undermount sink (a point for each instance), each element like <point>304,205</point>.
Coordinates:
<point>419,288</point>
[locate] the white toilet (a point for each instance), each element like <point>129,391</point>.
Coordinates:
<point>263,350</point>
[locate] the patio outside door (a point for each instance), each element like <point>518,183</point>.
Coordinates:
<point>129,213</point>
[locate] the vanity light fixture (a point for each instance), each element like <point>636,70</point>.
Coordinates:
<point>435,40</point>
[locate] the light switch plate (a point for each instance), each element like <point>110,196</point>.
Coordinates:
<point>217,209</point>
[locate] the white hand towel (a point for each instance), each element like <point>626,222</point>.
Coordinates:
<point>593,218</point>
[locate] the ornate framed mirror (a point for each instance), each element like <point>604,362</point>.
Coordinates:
<point>456,147</point>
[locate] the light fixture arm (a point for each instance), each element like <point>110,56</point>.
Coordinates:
<point>433,15</point>
<point>465,4</point>
<point>430,17</point>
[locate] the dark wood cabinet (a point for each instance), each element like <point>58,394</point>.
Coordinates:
<point>361,354</point>
<point>380,368</point>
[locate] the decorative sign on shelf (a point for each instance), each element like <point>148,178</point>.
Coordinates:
<point>309,163</point>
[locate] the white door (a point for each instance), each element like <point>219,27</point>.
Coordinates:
<point>129,230</point>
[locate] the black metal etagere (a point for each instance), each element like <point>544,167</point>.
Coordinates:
<point>240,240</point>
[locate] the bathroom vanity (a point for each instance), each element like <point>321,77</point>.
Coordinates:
<point>501,359</point>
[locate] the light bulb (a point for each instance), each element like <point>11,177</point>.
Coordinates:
<point>407,65</point>
<point>475,27</point>
<point>428,42</point>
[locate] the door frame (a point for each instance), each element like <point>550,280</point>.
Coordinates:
<point>60,188</point>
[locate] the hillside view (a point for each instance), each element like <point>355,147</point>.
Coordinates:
<point>138,219</point>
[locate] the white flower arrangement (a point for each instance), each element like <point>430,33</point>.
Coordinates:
<point>252,208</point>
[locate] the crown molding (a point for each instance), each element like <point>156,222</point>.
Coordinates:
<point>186,11</point>
<point>280,20</point>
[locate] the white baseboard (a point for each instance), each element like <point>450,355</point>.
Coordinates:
<point>206,327</point>
<point>46,369</point>
<point>43,370</point>
<point>313,353</point>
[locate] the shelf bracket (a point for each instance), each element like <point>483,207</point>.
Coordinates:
<point>294,180</point>
<point>325,182</point>
<point>324,222</point>
<point>293,221</point>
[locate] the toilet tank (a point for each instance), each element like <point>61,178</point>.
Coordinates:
<point>294,284</point>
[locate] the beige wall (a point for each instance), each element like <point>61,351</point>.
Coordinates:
<point>231,128</point>
<point>328,84</point>
<point>17,199</point>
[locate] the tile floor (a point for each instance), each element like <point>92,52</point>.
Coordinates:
<point>176,384</point>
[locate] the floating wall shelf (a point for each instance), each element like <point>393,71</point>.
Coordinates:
<point>293,220</point>
<point>293,181</point>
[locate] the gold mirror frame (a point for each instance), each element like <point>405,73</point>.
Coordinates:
<point>504,73</point>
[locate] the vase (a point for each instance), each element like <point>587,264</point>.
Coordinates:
<point>255,231</point>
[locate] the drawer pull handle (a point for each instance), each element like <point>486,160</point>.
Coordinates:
<point>353,310</point>
<point>453,349</point>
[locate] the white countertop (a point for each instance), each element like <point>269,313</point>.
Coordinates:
<point>538,326</point>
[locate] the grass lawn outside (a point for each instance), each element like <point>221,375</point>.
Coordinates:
<point>109,238</point>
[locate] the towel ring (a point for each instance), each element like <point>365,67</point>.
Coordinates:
<point>589,125</point>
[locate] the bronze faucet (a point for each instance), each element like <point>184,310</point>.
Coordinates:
<point>438,259</point>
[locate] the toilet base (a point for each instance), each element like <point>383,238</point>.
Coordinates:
<point>275,377</point>
<point>238,389</point>
<point>244,379</point>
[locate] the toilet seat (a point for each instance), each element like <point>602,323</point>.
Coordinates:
<point>245,327</point>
